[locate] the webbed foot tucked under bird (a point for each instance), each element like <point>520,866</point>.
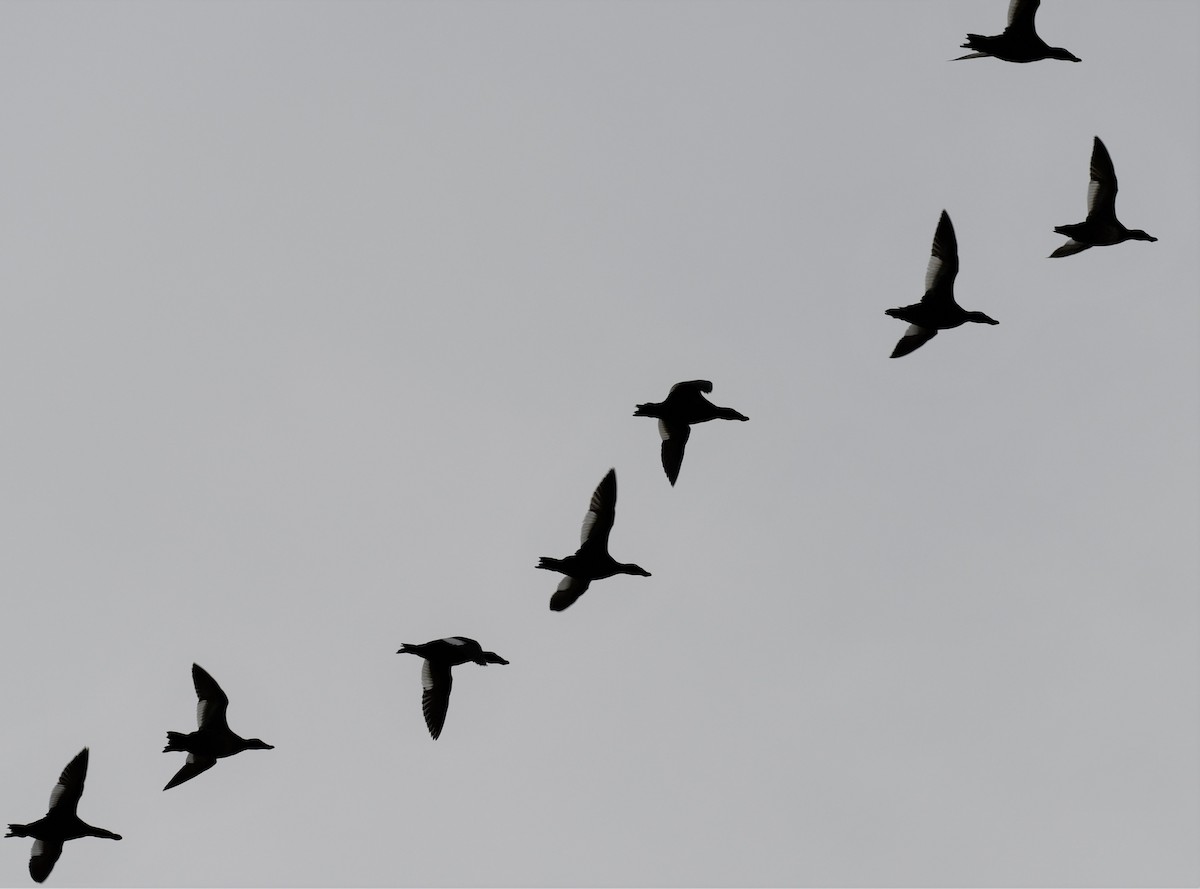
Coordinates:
<point>937,309</point>
<point>60,822</point>
<point>684,406</point>
<point>1019,42</point>
<point>1101,228</point>
<point>591,561</point>
<point>213,739</point>
<point>436,680</point>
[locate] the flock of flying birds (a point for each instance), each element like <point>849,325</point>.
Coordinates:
<point>684,406</point>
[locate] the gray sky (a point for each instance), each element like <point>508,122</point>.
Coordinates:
<point>322,321</point>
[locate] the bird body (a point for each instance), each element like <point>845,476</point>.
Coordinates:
<point>684,406</point>
<point>1019,41</point>
<point>436,680</point>
<point>592,560</point>
<point>937,309</point>
<point>60,823</point>
<point>213,739</point>
<point>1101,228</point>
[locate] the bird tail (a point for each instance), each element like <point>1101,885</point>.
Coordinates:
<point>649,409</point>
<point>175,743</point>
<point>972,43</point>
<point>18,830</point>
<point>550,564</point>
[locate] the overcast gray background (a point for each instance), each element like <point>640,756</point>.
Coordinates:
<point>319,323</point>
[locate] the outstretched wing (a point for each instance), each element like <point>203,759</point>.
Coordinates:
<point>569,589</point>
<point>66,793</point>
<point>1021,14</point>
<point>943,262</point>
<point>695,385</point>
<point>435,699</point>
<point>1102,184</point>
<point>674,440</point>
<point>194,766</point>
<point>211,702</point>
<point>601,511</point>
<point>1069,249</point>
<point>914,338</point>
<point>43,858</point>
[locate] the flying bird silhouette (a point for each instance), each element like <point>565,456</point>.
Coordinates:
<point>436,680</point>
<point>1101,227</point>
<point>60,822</point>
<point>213,739</point>
<point>591,561</point>
<point>684,406</point>
<point>1019,42</point>
<point>937,309</point>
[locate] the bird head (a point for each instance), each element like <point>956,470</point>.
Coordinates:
<point>1057,52</point>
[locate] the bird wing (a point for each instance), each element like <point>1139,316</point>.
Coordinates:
<point>943,262</point>
<point>1102,184</point>
<point>915,337</point>
<point>598,521</point>
<point>69,789</point>
<point>190,769</point>
<point>569,589</point>
<point>1020,15</point>
<point>695,385</point>
<point>43,858</point>
<point>435,699</point>
<point>211,702</point>
<point>1069,249</point>
<point>674,440</point>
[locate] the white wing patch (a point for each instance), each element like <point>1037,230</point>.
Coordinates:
<point>589,522</point>
<point>426,676</point>
<point>454,640</point>
<point>934,269</point>
<point>1070,248</point>
<point>663,431</point>
<point>1013,5</point>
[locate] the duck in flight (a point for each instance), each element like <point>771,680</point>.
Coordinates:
<point>937,309</point>
<point>440,655</point>
<point>1019,42</point>
<point>60,823</point>
<point>591,561</point>
<point>213,739</point>
<point>684,406</point>
<point>1101,227</point>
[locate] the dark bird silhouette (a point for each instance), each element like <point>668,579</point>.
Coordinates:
<point>440,655</point>
<point>937,309</point>
<point>1019,42</point>
<point>213,739</point>
<point>684,406</point>
<point>1101,227</point>
<point>591,561</point>
<point>60,823</point>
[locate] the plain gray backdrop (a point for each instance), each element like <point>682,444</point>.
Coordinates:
<point>320,322</point>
